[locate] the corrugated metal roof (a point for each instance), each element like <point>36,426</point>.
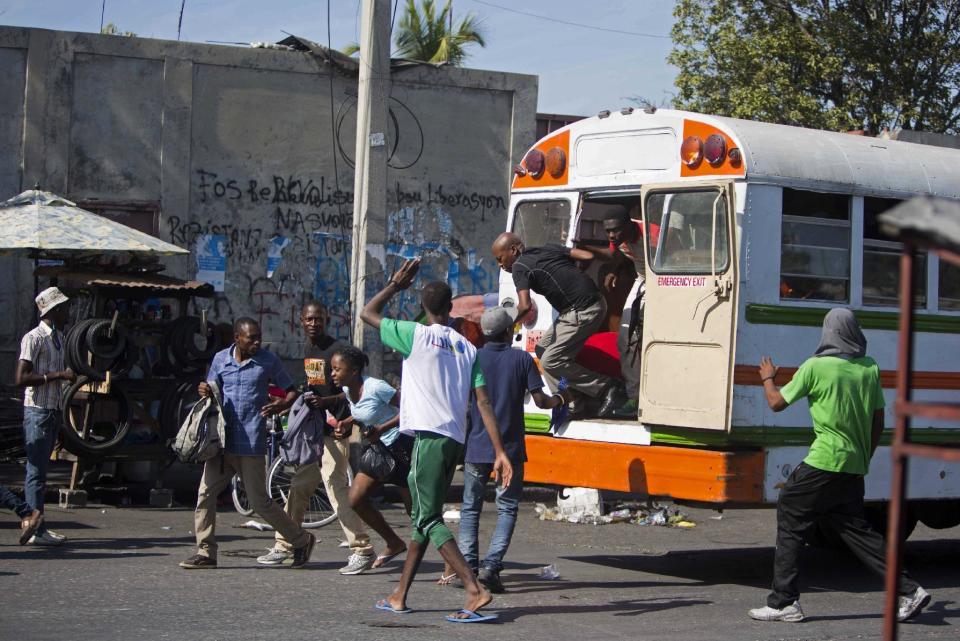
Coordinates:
<point>155,282</point>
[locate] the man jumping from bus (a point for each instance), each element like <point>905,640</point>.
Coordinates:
<point>552,272</point>
<point>439,369</point>
<point>842,386</point>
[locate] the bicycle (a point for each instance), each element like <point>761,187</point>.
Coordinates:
<point>319,510</point>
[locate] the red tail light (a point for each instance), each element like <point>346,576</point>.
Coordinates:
<point>715,149</point>
<point>534,163</point>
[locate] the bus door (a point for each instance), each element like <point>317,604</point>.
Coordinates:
<point>538,219</point>
<point>691,305</point>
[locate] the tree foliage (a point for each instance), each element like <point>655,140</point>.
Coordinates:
<point>426,35</point>
<point>841,64</point>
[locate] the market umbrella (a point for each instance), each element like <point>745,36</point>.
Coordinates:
<point>41,223</point>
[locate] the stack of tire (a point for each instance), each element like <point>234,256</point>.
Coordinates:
<point>92,349</point>
<point>181,353</point>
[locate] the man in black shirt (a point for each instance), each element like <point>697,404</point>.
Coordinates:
<point>336,448</point>
<point>551,272</point>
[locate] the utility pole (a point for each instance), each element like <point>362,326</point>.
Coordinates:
<point>370,173</point>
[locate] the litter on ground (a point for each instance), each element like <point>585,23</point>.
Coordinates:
<point>256,525</point>
<point>581,507</point>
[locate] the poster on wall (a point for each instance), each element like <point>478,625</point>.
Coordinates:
<point>212,259</point>
<point>275,253</point>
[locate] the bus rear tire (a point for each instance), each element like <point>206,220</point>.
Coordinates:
<point>938,515</point>
<point>878,515</point>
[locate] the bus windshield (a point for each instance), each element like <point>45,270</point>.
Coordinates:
<point>687,221</point>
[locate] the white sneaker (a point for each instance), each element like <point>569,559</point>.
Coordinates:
<point>48,538</point>
<point>791,614</point>
<point>358,564</point>
<point>910,606</point>
<point>275,556</point>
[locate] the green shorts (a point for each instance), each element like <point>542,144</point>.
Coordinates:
<point>432,466</point>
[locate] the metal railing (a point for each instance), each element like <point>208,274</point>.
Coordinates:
<point>905,409</point>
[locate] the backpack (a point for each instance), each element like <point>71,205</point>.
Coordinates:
<point>302,442</point>
<point>203,434</point>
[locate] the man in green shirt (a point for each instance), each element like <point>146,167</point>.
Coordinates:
<point>842,386</point>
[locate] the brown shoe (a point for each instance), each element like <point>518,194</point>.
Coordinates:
<point>29,525</point>
<point>199,562</point>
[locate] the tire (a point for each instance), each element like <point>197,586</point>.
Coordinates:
<point>104,432</point>
<point>937,514</point>
<point>319,511</point>
<point>240,501</point>
<point>878,514</point>
<point>99,343</point>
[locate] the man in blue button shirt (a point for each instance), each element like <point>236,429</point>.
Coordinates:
<point>243,372</point>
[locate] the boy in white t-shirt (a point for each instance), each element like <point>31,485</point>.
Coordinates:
<point>439,370</point>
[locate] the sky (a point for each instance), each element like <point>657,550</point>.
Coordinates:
<point>582,70</point>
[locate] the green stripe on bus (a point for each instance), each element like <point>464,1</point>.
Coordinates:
<point>755,436</point>
<point>782,437</point>
<point>537,423</point>
<point>813,317</point>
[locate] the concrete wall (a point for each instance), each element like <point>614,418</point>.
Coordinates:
<point>258,145</point>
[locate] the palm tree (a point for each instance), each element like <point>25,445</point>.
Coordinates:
<point>425,35</point>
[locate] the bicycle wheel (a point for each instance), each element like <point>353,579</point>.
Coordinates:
<point>240,500</point>
<point>319,511</point>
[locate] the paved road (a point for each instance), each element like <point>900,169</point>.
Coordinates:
<point>119,580</point>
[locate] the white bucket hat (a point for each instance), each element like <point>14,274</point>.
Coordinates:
<point>48,299</point>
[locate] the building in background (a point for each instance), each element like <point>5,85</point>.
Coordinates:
<point>249,150</point>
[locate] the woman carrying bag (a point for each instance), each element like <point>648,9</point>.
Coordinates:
<point>386,453</point>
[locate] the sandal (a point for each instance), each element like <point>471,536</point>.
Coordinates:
<point>446,580</point>
<point>383,559</point>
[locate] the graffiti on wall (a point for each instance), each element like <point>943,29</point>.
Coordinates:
<point>288,239</point>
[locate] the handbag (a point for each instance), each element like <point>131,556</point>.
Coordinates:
<point>377,461</point>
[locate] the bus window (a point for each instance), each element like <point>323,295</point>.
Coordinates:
<point>685,220</point>
<point>949,287</point>
<point>881,260</point>
<point>815,246</point>
<point>597,209</point>
<point>539,222</point>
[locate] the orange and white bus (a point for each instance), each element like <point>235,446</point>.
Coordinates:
<point>771,226</point>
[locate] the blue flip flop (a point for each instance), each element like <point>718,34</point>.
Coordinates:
<point>382,604</point>
<point>472,617</point>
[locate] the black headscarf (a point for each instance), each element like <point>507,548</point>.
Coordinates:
<point>842,336</point>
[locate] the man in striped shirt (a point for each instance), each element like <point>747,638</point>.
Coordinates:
<point>42,373</point>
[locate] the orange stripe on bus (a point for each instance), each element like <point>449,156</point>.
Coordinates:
<point>748,375</point>
<point>648,470</point>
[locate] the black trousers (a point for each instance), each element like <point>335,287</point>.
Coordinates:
<point>834,499</point>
